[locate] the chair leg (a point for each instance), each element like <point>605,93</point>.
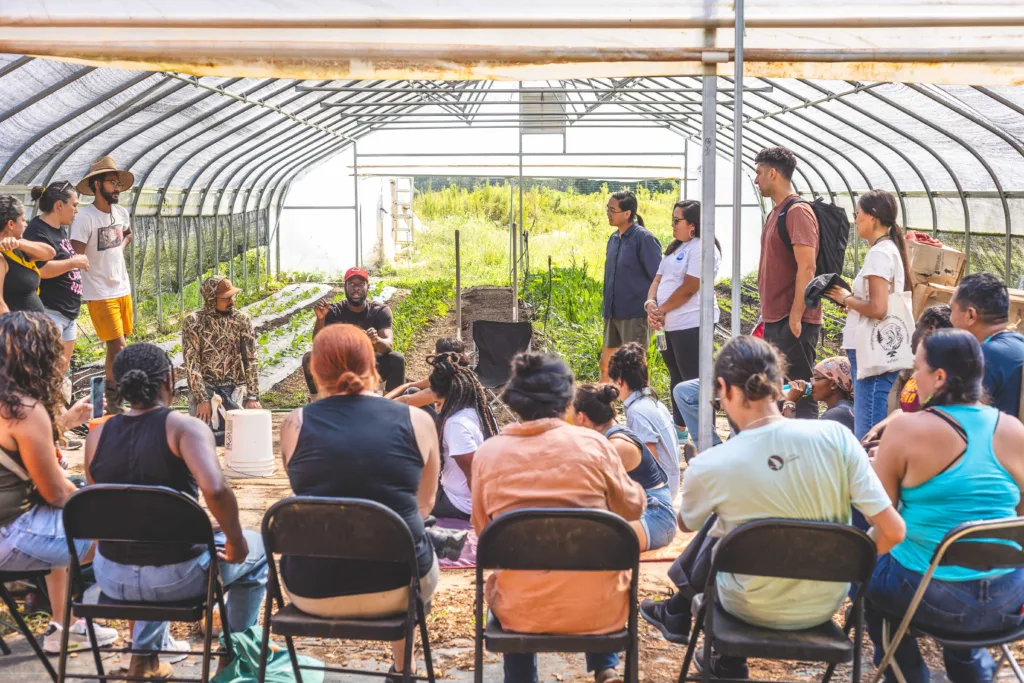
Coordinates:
<point>207,642</point>
<point>225,627</point>
<point>425,637</point>
<point>95,645</point>
<point>888,644</point>
<point>705,674</point>
<point>265,642</point>
<point>294,657</point>
<point>62,666</point>
<point>23,627</point>
<point>410,657</point>
<point>691,647</point>
<point>1012,661</point>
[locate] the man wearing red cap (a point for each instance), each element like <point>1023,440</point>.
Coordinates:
<point>371,316</point>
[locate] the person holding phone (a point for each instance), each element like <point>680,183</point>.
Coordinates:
<point>151,445</point>
<point>101,231</point>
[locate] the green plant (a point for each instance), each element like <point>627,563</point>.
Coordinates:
<point>428,300</point>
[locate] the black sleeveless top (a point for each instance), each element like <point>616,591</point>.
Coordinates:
<point>133,449</point>
<point>17,492</point>
<point>357,447</point>
<point>21,284</point>
<point>649,472</point>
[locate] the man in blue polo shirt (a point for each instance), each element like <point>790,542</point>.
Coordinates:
<point>981,306</point>
<point>631,262</point>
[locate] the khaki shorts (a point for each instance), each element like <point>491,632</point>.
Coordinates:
<point>620,331</point>
<point>112,318</point>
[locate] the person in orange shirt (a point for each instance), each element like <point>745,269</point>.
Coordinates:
<point>546,462</point>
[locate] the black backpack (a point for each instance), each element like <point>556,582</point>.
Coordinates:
<point>833,234</point>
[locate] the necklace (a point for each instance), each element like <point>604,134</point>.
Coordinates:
<point>763,419</point>
<point>880,238</point>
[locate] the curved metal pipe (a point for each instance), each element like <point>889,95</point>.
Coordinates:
<point>45,92</point>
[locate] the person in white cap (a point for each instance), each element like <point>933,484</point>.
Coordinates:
<point>101,231</point>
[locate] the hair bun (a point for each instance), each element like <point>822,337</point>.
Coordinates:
<point>349,383</point>
<point>607,393</point>
<point>133,376</point>
<point>526,364</point>
<point>37,192</point>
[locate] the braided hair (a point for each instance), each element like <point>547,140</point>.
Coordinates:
<point>140,371</point>
<point>453,380</point>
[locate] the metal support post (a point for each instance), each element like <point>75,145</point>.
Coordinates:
<point>458,289</point>
<point>245,249</point>
<point>515,236</point>
<point>355,189</point>
<point>232,250</point>
<point>181,270</point>
<point>737,168</point>
<point>686,169</point>
<point>159,294</point>
<point>707,261</point>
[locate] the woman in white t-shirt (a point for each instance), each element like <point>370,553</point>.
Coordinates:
<point>464,420</point>
<point>673,303</point>
<point>884,272</point>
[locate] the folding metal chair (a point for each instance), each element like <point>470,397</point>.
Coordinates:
<point>790,549</point>
<point>351,530</point>
<point>555,539</point>
<point>19,621</point>
<point>495,344</point>
<point>963,546</point>
<point>121,513</point>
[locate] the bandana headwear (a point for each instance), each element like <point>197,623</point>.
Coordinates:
<point>837,369</point>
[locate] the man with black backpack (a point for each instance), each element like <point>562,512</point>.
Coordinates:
<point>799,240</point>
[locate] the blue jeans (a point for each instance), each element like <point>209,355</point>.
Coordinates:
<point>659,519</point>
<point>522,668</point>
<point>962,607</point>
<point>870,397</point>
<point>245,582</point>
<point>35,541</point>
<point>687,400</point>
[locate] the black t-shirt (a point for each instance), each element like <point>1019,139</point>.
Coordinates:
<point>375,315</point>
<point>64,292</point>
<point>20,285</point>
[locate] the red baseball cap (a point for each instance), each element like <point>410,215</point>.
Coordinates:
<point>355,271</point>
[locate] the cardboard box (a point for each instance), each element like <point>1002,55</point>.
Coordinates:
<point>937,265</point>
<point>929,294</point>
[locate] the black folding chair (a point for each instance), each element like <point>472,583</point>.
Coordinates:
<point>495,344</point>
<point>346,529</point>
<point>787,549</point>
<point>963,546</point>
<point>556,539</point>
<point>115,512</point>
<point>19,621</point>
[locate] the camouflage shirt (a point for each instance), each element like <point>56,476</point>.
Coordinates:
<point>219,348</point>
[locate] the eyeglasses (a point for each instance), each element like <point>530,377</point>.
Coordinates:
<point>677,221</point>
<point>609,209</point>
<point>116,182</point>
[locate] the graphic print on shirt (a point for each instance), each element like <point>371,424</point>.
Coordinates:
<point>109,237</point>
<point>74,276</point>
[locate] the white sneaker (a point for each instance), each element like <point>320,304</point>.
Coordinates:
<point>78,637</point>
<point>174,652</point>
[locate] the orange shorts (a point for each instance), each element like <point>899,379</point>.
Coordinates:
<point>112,318</point>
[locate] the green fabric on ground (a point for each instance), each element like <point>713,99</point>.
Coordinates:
<point>246,664</point>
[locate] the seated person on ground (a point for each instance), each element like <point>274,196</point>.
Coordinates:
<point>546,462</point>
<point>594,408</point>
<point>33,487</point>
<point>831,384</point>
<point>981,305</point>
<point>219,349</point>
<point>352,443</point>
<point>370,316</point>
<point>151,445</point>
<point>464,421</point>
<point>811,470</point>
<point>646,416</point>
<point>954,462</point>
<point>904,397</point>
<point>419,393</point>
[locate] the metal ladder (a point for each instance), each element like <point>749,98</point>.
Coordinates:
<point>401,213</point>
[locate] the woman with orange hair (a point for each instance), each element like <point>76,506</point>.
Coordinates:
<point>353,443</point>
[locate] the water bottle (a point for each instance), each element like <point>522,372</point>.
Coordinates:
<point>807,389</point>
<point>660,341</point>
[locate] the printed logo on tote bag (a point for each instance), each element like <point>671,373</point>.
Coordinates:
<point>890,335</point>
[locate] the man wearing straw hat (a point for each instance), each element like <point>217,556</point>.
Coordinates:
<point>101,231</point>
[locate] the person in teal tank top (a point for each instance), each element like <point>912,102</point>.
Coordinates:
<point>956,461</point>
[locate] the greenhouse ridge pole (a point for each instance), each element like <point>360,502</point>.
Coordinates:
<point>516,231</point>
<point>355,192</point>
<point>737,170</point>
<point>458,288</point>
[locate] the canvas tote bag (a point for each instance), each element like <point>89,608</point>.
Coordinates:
<point>884,345</point>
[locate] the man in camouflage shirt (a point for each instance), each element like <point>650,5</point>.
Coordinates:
<point>219,347</point>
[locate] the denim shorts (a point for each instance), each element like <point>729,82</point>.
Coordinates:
<point>659,520</point>
<point>68,328</point>
<point>36,542</point>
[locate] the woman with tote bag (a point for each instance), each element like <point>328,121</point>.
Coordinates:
<point>879,324</point>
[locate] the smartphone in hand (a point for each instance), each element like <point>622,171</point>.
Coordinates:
<point>97,388</point>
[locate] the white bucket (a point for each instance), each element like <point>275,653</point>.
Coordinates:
<point>249,444</point>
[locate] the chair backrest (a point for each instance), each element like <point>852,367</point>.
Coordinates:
<point>118,512</point>
<point>497,343</point>
<point>339,528</point>
<point>965,546</point>
<point>795,549</point>
<point>558,539</point>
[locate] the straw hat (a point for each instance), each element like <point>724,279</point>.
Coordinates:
<point>102,166</point>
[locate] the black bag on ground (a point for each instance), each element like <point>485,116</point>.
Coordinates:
<point>833,233</point>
